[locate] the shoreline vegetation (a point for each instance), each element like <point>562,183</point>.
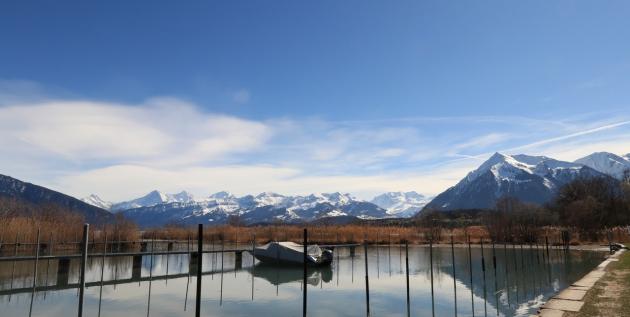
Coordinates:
<point>66,236</point>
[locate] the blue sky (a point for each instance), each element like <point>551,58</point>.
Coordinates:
<point>295,96</point>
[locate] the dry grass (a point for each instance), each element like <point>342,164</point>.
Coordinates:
<point>321,234</point>
<point>611,295</point>
<point>62,231</point>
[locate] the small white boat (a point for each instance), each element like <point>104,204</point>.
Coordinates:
<point>292,253</point>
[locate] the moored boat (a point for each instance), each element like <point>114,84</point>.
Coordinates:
<point>292,253</point>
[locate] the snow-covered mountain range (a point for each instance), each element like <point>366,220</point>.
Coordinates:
<point>534,179</point>
<point>157,208</point>
<point>401,204</point>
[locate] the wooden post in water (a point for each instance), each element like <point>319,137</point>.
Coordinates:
<point>483,270</point>
<point>547,246</point>
<point>169,248</point>
<point>188,275</point>
<point>496,282</point>
<point>454,280</point>
<point>151,275</point>
<point>367,282</point>
<point>517,276</point>
<point>407,274</point>
<point>507,274</point>
<point>84,253</point>
<point>222,262</point>
<point>199,261</point>
<point>472,296</point>
<point>304,259</point>
<point>34,273</point>
<point>523,269</point>
<point>50,251</point>
<point>431,267</point>
<point>378,269</point>
<point>15,253</point>
<point>253,263</point>
<point>100,294</point>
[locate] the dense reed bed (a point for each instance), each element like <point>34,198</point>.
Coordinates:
<point>372,234</point>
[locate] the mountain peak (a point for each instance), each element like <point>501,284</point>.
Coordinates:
<point>401,204</point>
<point>95,200</point>
<point>222,195</point>
<point>183,197</point>
<point>500,165</point>
<point>607,163</point>
<point>156,194</point>
<point>533,179</point>
<point>269,194</point>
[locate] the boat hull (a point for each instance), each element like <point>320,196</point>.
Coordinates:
<point>290,254</point>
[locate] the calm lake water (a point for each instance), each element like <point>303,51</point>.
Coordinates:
<point>338,290</point>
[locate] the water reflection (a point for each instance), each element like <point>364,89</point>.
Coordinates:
<point>516,281</point>
<point>291,274</point>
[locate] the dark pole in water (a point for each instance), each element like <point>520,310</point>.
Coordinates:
<point>454,280</point>
<point>483,270</point>
<point>407,274</point>
<point>84,249</point>
<point>100,294</point>
<point>547,246</point>
<point>389,255</point>
<point>367,283</point>
<point>34,273</point>
<point>50,250</point>
<point>222,262</point>
<point>523,269</point>
<point>378,269</point>
<point>15,253</point>
<point>496,283</point>
<point>199,256</point>
<point>472,296</point>
<point>150,275</point>
<point>253,263</point>
<point>516,273</point>
<point>431,267</point>
<point>168,249</point>
<point>304,272</point>
<point>507,274</point>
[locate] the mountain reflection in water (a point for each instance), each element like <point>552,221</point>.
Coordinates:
<point>272,290</point>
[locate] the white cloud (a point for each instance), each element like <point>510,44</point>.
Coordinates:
<point>160,131</point>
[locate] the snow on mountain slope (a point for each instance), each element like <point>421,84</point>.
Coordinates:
<point>265,207</point>
<point>270,199</point>
<point>182,197</point>
<point>154,198</point>
<point>533,179</point>
<point>401,204</point>
<point>607,163</point>
<point>94,200</point>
